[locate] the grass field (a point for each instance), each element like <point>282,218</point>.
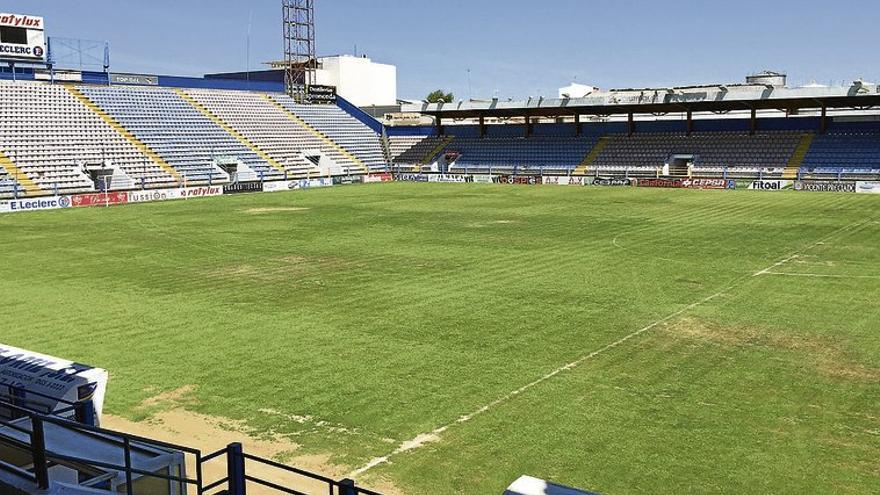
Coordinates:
<point>627,341</point>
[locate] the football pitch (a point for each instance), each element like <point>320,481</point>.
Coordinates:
<point>446,339</point>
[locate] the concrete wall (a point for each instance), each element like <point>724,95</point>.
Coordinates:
<point>360,80</point>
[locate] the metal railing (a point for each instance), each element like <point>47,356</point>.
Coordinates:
<point>235,481</point>
<point>42,459</point>
<point>238,479</point>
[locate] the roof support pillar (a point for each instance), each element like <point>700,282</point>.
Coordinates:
<point>439,125</point>
<point>690,122</point>
<point>632,123</point>
<point>578,130</point>
<point>528,126</point>
<point>823,122</point>
<point>482,126</point>
<point>753,122</point>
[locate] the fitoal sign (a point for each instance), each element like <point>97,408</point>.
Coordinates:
<point>23,37</point>
<point>771,185</point>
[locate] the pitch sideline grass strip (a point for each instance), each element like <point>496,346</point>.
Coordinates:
<point>425,438</point>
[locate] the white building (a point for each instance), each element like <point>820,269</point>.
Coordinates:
<point>359,80</point>
<point>576,91</point>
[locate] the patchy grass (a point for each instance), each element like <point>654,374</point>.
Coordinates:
<point>385,313</point>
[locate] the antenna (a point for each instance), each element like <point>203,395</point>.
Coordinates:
<point>299,47</point>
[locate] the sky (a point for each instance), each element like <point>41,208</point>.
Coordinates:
<point>486,48</point>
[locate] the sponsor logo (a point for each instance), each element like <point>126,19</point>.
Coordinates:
<point>565,180</point>
<point>613,182</point>
<point>522,180</point>
<point>770,185</point>
<point>201,192</point>
<point>154,195</point>
<point>134,79</point>
<point>100,199</point>
<point>18,50</point>
<point>373,178</point>
<point>321,94</point>
<point>38,51</point>
<point>665,183</point>
<point>708,184</point>
<point>411,177</point>
<point>22,21</point>
<point>483,179</point>
<point>296,184</point>
<point>868,187</point>
<point>243,187</point>
<point>823,186</point>
<point>448,178</point>
<point>18,205</point>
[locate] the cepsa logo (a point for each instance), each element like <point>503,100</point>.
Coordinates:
<point>23,21</point>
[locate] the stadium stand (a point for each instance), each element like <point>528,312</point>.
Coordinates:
<point>714,153</point>
<point>51,138</point>
<point>169,125</point>
<point>350,162</point>
<point>784,150</point>
<point>58,139</point>
<point>844,153</point>
<point>343,129</point>
<point>416,151</point>
<point>263,125</point>
<point>539,154</point>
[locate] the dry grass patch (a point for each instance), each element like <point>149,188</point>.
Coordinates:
<point>827,357</point>
<point>280,209</point>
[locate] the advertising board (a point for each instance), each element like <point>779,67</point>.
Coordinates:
<point>771,185</point>
<point>22,38</point>
<point>34,204</point>
<point>523,180</point>
<point>373,178</point>
<point>868,187</point>
<point>613,182</point>
<point>99,199</point>
<point>824,186</point>
<point>243,188</point>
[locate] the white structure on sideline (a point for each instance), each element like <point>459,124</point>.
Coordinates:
<point>359,80</point>
<point>528,485</point>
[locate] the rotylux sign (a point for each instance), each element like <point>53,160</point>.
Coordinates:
<point>22,37</point>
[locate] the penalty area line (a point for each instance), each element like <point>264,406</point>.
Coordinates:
<point>433,436</point>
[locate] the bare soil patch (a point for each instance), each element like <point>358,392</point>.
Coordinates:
<point>209,434</point>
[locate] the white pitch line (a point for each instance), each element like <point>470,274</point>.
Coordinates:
<point>777,265</point>
<point>422,439</point>
<point>820,275</point>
